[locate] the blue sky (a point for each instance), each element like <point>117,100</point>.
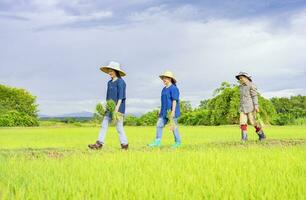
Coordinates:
<point>54,48</point>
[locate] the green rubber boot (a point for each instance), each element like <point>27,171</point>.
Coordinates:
<point>176,145</point>
<point>156,143</point>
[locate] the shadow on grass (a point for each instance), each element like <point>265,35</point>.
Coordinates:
<point>58,153</point>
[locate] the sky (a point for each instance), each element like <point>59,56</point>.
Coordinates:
<point>54,48</point>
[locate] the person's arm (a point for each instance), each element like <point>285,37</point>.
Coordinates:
<point>118,105</point>
<point>254,96</point>
<point>175,95</point>
<point>107,91</point>
<point>173,108</point>
<point>121,94</point>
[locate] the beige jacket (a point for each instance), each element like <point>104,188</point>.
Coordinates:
<point>248,98</point>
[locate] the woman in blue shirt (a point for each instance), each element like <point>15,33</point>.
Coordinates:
<point>115,91</point>
<point>169,102</point>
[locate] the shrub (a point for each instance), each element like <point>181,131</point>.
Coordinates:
<point>14,118</point>
<point>17,107</point>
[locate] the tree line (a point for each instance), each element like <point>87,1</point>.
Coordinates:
<point>19,108</point>
<point>223,109</point>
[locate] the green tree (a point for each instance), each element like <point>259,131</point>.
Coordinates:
<point>290,110</point>
<point>149,119</point>
<point>196,117</point>
<point>185,106</point>
<point>204,104</point>
<point>17,107</point>
<point>130,120</point>
<point>224,107</point>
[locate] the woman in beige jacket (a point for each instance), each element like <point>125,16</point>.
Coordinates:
<point>248,106</point>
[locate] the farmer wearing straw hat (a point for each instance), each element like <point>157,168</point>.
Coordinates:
<point>248,106</point>
<point>115,91</point>
<point>170,110</point>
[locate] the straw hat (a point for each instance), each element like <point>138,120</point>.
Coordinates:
<point>114,66</point>
<point>245,75</point>
<point>169,75</point>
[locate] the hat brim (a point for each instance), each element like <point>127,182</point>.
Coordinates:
<point>237,77</point>
<point>174,80</point>
<point>106,69</point>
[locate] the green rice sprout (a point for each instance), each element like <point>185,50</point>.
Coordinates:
<point>260,120</point>
<point>34,160</point>
<point>171,124</point>
<point>115,116</point>
<point>100,110</point>
<point>110,106</point>
<point>108,109</point>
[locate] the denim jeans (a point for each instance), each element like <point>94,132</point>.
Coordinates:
<point>159,129</point>
<point>120,130</point>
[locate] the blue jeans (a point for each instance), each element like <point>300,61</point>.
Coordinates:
<point>159,129</point>
<point>120,130</point>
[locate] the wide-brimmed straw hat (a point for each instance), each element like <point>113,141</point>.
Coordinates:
<point>169,75</point>
<point>114,66</point>
<point>245,75</point>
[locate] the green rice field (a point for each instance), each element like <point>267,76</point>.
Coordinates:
<point>55,163</point>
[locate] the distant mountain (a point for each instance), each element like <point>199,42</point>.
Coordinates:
<point>43,116</point>
<point>79,114</point>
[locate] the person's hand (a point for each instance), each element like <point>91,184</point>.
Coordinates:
<point>257,110</point>
<point>172,114</point>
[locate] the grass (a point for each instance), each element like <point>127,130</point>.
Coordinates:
<point>54,163</point>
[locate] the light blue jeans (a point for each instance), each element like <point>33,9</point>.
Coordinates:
<point>119,127</point>
<point>159,129</point>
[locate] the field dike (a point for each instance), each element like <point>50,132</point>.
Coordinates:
<point>58,153</point>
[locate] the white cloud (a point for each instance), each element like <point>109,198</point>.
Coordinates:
<point>62,65</point>
<point>165,12</point>
<point>285,93</point>
<point>52,13</point>
<point>58,107</point>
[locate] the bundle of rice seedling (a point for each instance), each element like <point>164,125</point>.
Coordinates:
<point>109,110</point>
<point>110,106</point>
<point>171,124</point>
<point>115,116</point>
<point>99,112</point>
<point>259,120</point>
<point>100,109</point>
